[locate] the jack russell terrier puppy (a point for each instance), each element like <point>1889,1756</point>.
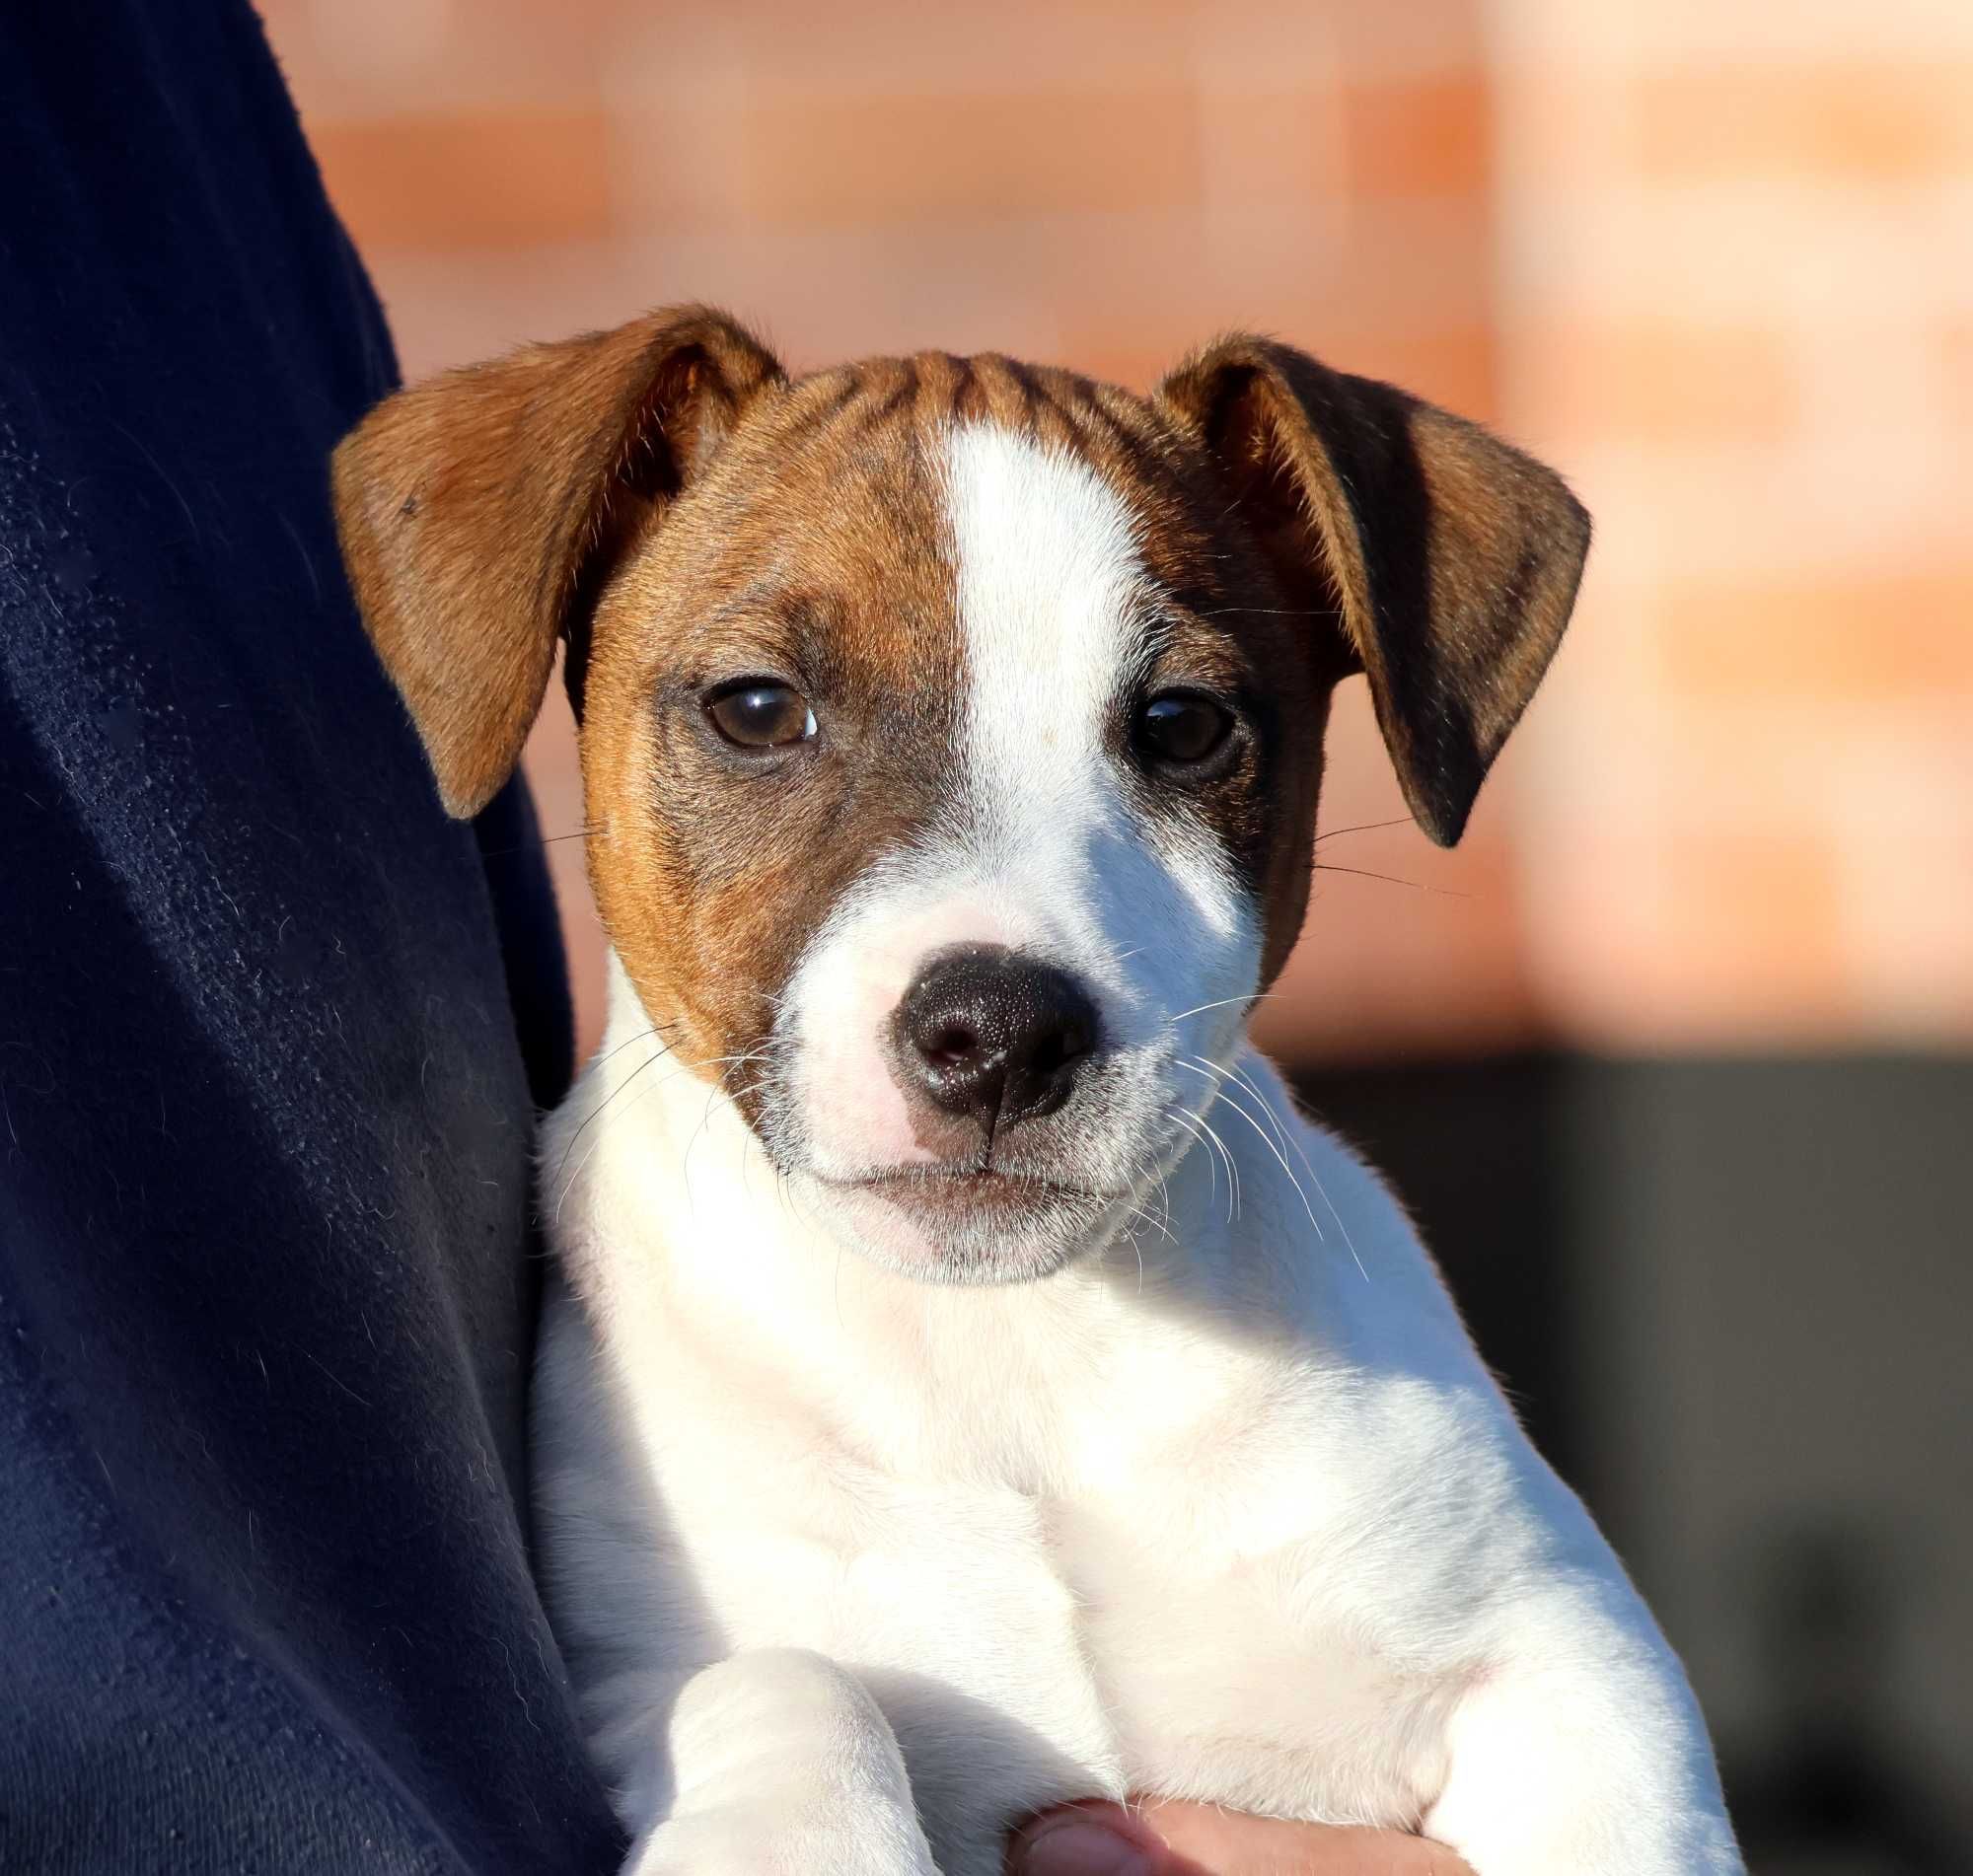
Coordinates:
<point>970,1385</point>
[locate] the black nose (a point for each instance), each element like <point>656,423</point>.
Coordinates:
<point>990,1033</point>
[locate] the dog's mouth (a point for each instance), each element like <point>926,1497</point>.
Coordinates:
<point>968,1224</point>
<point>972,1190</point>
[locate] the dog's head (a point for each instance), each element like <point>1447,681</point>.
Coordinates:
<point>951,728</point>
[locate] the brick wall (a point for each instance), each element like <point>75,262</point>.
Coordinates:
<point>1723,282</point>
<point>1737,267</point>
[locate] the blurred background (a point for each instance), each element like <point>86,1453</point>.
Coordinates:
<point>1673,1056</point>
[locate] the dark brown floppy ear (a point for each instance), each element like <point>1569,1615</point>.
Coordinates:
<point>1451,558</point>
<point>477,513</point>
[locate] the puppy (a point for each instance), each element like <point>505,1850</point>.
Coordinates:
<point>971,1386</point>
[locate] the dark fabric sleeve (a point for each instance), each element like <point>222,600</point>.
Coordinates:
<point>273,1031</point>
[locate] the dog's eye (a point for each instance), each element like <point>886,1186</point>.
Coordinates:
<point>1182,727</point>
<point>758,714</point>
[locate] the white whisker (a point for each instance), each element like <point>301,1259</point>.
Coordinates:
<point>1191,1126</point>
<point>1267,1106</point>
<point>1261,996</point>
<point>1260,1133</point>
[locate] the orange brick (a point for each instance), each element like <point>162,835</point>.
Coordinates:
<point>672,165</point>
<point>1955,358</point>
<point>1453,364</point>
<point>1756,919</point>
<point>1846,123</point>
<point>1659,380</point>
<point>1841,639</point>
<point>904,47</point>
<point>1910,914</point>
<point>1272,145</point>
<point>1429,136</point>
<point>367,59</point>
<point>825,158</point>
<point>1698,938</point>
<point>1436,36</point>
<point>491,180</point>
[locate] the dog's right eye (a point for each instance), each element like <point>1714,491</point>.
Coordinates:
<point>758,713</point>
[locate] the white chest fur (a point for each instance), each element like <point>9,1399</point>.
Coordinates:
<point>1232,1512</point>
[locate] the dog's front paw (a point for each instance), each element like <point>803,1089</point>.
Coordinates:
<point>783,1765</point>
<point>754,1841</point>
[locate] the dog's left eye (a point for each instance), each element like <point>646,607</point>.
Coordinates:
<point>757,714</point>
<point>1182,727</point>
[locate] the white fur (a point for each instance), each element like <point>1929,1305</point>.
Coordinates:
<point>854,1569</point>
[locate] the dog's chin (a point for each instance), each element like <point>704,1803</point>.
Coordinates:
<point>965,1227</point>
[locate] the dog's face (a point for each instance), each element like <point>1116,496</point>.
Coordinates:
<point>951,730</point>
<point>957,776</point>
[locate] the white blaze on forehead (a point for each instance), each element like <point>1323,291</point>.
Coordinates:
<point>1052,597</point>
<point>1055,605</point>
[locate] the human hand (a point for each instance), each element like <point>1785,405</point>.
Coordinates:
<point>1166,1837</point>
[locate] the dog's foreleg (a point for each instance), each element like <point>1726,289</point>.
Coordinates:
<point>779,1764</point>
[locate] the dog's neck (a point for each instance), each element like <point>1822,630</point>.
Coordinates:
<point>707,1241</point>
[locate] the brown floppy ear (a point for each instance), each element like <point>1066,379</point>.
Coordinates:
<point>479,511</point>
<point>1449,559</point>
